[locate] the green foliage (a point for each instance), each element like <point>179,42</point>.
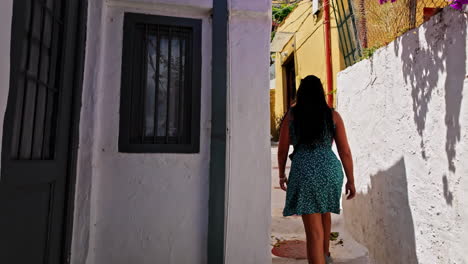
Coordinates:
<point>276,129</point>
<point>331,92</point>
<point>334,236</point>
<point>279,13</point>
<point>368,53</point>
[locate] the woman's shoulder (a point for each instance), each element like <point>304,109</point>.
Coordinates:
<point>336,116</point>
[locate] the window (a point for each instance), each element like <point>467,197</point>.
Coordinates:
<point>160,93</point>
<point>38,82</point>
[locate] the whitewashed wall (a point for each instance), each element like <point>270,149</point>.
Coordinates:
<point>136,208</point>
<point>83,234</point>
<point>406,112</point>
<point>6,13</point>
<point>153,208</point>
<point>248,184</point>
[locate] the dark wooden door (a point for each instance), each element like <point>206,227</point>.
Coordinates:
<point>36,131</point>
<point>290,82</point>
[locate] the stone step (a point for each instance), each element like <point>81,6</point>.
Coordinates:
<point>345,250</point>
<point>350,252</point>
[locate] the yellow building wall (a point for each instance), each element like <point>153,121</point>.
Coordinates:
<point>272,111</point>
<point>308,48</point>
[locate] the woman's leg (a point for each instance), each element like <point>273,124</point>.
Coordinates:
<point>326,223</point>
<point>314,233</point>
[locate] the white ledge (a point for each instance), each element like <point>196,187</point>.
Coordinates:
<point>162,7</point>
<point>249,14</point>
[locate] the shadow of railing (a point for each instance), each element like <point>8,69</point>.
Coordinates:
<point>443,56</point>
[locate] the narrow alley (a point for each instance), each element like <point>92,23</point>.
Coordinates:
<point>288,237</point>
<point>138,131</point>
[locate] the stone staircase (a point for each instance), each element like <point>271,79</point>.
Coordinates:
<point>345,250</point>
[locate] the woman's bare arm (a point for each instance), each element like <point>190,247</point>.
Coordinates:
<point>283,148</point>
<point>345,153</point>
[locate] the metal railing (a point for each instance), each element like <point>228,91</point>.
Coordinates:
<point>368,24</point>
<point>347,31</point>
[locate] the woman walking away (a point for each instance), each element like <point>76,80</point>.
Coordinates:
<point>316,177</point>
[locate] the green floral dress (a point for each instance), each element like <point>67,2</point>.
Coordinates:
<point>315,179</point>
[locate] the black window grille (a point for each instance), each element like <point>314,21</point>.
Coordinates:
<point>347,31</point>
<point>160,93</point>
<point>37,81</point>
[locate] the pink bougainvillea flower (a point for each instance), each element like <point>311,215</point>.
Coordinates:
<point>386,1</point>
<point>458,4</point>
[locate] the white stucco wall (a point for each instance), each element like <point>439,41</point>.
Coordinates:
<point>136,208</point>
<point>6,13</point>
<point>84,219</point>
<point>153,208</point>
<point>248,185</point>
<point>406,112</point>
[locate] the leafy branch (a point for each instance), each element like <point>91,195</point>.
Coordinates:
<point>279,14</point>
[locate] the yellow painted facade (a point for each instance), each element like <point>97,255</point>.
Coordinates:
<point>307,47</point>
<point>272,110</point>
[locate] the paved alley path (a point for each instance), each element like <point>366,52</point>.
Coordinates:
<point>291,228</point>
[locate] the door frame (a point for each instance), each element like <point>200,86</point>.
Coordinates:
<point>79,61</point>
<point>291,59</point>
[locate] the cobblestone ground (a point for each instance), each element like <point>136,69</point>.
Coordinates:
<point>344,250</point>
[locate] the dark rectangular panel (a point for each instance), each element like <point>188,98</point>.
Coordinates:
<point>38,12</point>
<point>34,60</point>
<point>175,87</point>
<point>27,120</point>
<point>163,86</point>
<point>50,121</point>
<point>151,80</point>
<point>23,205</point>
<point>38,127</point>
<point>16,130</point>
<point>44,69</point>
<point>48,27</point>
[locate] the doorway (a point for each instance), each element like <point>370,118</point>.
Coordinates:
<point>39,138</point>
<point>290,71</point>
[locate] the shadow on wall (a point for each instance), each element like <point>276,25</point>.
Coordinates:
<point>445,52</point>
<point>448,195</point>
<point>387,229</point>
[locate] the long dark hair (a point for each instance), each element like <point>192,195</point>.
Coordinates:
<point>311,114</point>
